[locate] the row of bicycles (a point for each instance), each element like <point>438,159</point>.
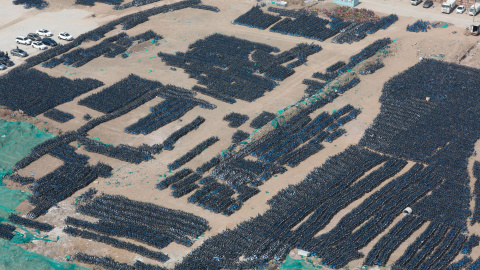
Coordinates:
<point>141,250</point>
<point>38,4</point>
<point>117,95</point>
<point>148,223</point>
<point>91,3</point>
<point>19,86</point>
<point>256,18</point>
<point>170,141</point>
<point>162,114</point>
<point>197,150</point>
<point>235,120</point>
<point>222,65</point>
<point>111,264</point>
<point>59,116</point>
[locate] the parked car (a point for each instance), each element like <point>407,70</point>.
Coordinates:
<point>6,62</point>
<point>23,40</point>
<point>65,36</point>
<point>5,59</point>
<point>3,67</point>
<point>34,37</point>
<point>18,52</point>
<point>461,9</point>
<point>428,4</point>
<point>44,32</point>
<point>415,2</point>
<point>39,45</point>
<point>49,42</point>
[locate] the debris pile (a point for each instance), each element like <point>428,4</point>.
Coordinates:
<point>352,14</point>
<point>419,26</point>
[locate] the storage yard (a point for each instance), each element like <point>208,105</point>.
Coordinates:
<point>215,134</point>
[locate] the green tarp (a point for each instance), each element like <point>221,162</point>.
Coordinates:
<point>16,141</point>
<point>292,264</point>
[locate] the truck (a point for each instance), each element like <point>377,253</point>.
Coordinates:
<point>475,29</point>
<point>448,6</point>
<point>415,2</point>
<point>474,9</point>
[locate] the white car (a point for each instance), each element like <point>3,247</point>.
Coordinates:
<point>39,45</point>
<point>65,36</point>
<point>44,32</point>
<point>461,9</point>
<point>23,40</point>
<point>3,67</point>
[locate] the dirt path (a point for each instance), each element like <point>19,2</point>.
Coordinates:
<point>405,9</point>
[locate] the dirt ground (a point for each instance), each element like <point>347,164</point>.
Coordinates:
<point>179,29</point>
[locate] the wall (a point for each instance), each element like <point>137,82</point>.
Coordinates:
<point>350,3</point>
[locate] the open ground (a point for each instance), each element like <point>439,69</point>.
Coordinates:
<point>179,29</point>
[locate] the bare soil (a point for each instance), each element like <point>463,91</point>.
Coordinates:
<point>179,29</point>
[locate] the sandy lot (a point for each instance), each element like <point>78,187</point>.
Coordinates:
<point>179,29</point>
